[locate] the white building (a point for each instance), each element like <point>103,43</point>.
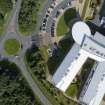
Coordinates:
<point>94,88</point>
<point>86,46</point>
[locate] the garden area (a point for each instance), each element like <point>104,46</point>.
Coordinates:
<point>12,46</point>
<point>5,9</point>
<point>36,62</point>
<point>14,90</point>
<point>37,66</point>
<point>72,90</point>
<point>28,15</point>
<point>76,87</point>
<point>63,25</point>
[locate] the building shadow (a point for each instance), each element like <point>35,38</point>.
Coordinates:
<point>64,46</point>
<point>69,15</point>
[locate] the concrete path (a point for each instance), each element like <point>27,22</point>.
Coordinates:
<point>12,32</point>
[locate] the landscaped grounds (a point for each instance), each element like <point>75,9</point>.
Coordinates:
<point>28,16</point>
<point>63,23</point>
<point>5,8</point>
<point>36,61</point>
<point>76,87</point>
<point>72,90</point>
<point>12,46</point>
<point>14,89</point>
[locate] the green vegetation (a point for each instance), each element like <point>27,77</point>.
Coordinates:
<point>11,46</point>
<point>63,24</point>
<point>36,62</point>
<point>85,71</point>
<point>62,28</point>
<point>5,8</point>
<point>14,90</point>
<point>72,90</point>
<point>36,56</point>
<point>76,87</point>
<point>28,16</point>
<point>64,46</point>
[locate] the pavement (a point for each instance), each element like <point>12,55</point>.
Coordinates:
<point>12,31</point>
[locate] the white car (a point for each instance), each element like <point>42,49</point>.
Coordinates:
<point>49,52</point>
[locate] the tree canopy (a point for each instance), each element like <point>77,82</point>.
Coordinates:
<point>14,90</point>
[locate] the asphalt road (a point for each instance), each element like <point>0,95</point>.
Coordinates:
<point>12,31</point>
<point>20,63</point>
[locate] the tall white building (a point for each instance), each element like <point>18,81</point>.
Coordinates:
<point>86,46</point>
<point>94,88</point>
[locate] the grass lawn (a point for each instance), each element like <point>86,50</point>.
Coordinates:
<point>28,16</point>
<point>11,46</point>
<point>72,90</point>
<point>44,53</point>
<point>5,10</point>
<point>42,4</point>
<point>62,28</point>
<point>63,24</point>
<point>54,96</point>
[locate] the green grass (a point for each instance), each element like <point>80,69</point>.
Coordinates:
<point>42,4</point>
<point>11,46</point>
<point>63,24</point>
<point>72,90</point>
<point>25,30</point>
<point>62,28</point>
<point>54,95</point>
<point>12,83</point>
<point>5,6</point>
<point>5,10</point>
<point>44,53</point>
<point>28,16</point>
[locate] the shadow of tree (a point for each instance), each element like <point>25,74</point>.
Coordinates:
<point>69,15</point>
<point>63,47</point>
<point>95,28</point>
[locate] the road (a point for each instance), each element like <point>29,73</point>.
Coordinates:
<point>20,63</point>
<point>12,31</point>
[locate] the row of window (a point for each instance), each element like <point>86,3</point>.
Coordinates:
<point>95,50</point>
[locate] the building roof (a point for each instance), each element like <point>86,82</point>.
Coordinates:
<point>95,48</point>
<point>94,88</point>
<point>69,67</point>
<point>79,30</point>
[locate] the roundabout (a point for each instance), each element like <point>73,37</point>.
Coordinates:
<point>12,46</point>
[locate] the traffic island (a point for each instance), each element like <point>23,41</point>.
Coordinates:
<point>12,46</point>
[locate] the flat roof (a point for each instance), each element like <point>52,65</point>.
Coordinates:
<point>94,88</point>
<point>70,66</point>
<point>94,47</point>
<point>79,30</point>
